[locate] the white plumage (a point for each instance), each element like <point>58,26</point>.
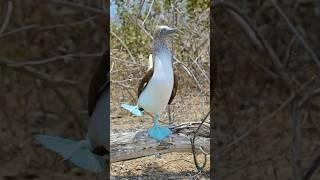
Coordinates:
<point>156,94</point>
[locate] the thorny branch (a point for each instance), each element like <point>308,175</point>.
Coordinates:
<point>7,18</point>
<point>32,72</point>
<point>50,27</point>
<point>199,168</point>
<point>296,33</point>
<point>54,59</point>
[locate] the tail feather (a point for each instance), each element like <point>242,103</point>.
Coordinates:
<point>76,152</point>
<point>135,110</point>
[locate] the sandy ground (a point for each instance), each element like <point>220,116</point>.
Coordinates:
<point>168,166</point>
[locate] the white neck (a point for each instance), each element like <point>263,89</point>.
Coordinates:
<point>162,57</point>
<point>163,64</point>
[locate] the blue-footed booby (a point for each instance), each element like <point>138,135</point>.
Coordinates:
<point>159,86</point>
<point>88,153</point>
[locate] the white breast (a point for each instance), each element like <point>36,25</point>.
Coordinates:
<point>156,95</point>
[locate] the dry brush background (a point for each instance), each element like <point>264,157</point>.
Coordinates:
<point>266,91</point>
<point>131,44</point>
<point>48,54</point>
<point>266,103</point>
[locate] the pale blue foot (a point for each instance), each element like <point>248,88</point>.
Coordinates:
<point>133,109</point>
<point>159,133</point>
<point>77,152</point>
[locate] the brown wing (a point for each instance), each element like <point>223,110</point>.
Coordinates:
<point>144,81</point>
<point>175,88</point>
<point>99,82</point>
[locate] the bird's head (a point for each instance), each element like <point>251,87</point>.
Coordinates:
<point>162,32</point>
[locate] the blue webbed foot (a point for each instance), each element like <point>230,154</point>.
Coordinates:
<point>159,133</point>
<point>77,152</point>
<point>133,109</point>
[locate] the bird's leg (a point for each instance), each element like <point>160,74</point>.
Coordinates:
<point>171,116</point>
<point>157,132</point>
<point>155,120</point>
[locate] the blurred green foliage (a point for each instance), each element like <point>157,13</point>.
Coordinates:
<point>130,13</point>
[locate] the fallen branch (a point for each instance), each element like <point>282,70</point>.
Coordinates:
<point>136,144</point>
